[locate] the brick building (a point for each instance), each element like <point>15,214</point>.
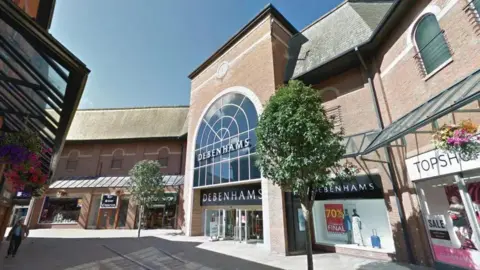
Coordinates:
<point>391,72</point>
<point>102,146</point>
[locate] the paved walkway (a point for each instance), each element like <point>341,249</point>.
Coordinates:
<point>162,249</point>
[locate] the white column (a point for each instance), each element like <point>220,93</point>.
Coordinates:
<point>246,226</point>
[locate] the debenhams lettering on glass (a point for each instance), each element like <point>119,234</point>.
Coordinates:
<point>347,188</point>
<point>224,149</point>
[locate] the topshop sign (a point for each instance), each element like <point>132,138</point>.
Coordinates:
<point>224,149</point>
<point>436,163</point>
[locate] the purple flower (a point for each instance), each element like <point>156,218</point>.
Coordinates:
<point>14,153</point>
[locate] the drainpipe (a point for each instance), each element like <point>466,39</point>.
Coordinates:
<point>388,155</point>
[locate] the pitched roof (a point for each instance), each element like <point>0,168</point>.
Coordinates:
<point>348,25</point>
<point>129,123</point>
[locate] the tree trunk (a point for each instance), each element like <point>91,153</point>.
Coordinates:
<point>140,218</point>
<point>307,209</point>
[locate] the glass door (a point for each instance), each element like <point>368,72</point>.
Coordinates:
<point>230,224</point>
<point>106,219</point>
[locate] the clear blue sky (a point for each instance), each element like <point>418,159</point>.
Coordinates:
<point>140,52</point>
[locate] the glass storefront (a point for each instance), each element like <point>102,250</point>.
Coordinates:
<point>451,210</point>
<point>61,210</point>
<point>225,145</point>
<point>353,214</point>
<point>234,224</point>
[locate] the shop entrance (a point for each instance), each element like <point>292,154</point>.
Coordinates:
<point>106,219</point>
<point>234,224</point>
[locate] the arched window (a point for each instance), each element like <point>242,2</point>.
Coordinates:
<point>431,44</point>
<point>117,159</point>
<point>225,144</point>
<point>72,160</point>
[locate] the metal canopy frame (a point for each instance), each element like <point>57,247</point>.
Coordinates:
<point>109,182</point>
<point>356,144</point>
<point>450,100</point>
<point>41,82</point>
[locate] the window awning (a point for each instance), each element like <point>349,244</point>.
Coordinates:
<point>37,73</point>
<point>108,182</point>
<point>453,98</point>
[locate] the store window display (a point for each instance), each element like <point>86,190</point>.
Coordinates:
<point>451,211</point>
<point>61,210</point>
<point>353,214</point>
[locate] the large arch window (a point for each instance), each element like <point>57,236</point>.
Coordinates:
<point>431,44</point>
<point>225,146</point>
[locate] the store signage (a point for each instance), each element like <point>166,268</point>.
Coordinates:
<point>232,195</point>
<point>109,201</point>
<point>436,163</point>
<point>224,149</point>
<point>334,218</point>
<point>437,227</point>
<point>364,186</point>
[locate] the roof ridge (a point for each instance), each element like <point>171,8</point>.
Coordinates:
<point>135,108</point>
<point>322,17</point>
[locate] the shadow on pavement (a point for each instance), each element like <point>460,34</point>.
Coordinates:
<point>390,266</point>
<point>118,253</point>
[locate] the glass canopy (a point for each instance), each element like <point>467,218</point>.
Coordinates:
<point>453,98</point>
<point>356,144</point>
<point>41,82</point>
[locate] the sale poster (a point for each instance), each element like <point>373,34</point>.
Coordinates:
<point>334,218</point>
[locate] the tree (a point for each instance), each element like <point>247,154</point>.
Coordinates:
<point>146,186</point>
<point>298,147</point>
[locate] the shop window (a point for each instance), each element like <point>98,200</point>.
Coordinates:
<point>117,163</point>
<point>451,210</point>
<point>61,210</point>
<point>225,142</point>
<point>163,162</point>
<point>72,165</point>
<point>353,214</point>
<point>432,48</point>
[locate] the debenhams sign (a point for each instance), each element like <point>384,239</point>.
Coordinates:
<point>232,195</point>
<point>224,149</point>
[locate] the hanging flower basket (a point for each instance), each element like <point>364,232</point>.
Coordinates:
<point>28,175</point>
<point>459,139</point>
<point>15,148</point>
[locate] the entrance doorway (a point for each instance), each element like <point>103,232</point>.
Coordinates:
<point>106,219</point>
<point>234,224</point>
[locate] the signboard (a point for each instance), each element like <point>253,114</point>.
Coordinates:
<point>436,163</point>
<point>364,186</point>
<point>334,218</point>
<point>224,149</point>
<point>232,195</point>
<point>109,201</point>
<point>437,227</point>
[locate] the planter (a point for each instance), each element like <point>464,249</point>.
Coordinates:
<point>461,139</point>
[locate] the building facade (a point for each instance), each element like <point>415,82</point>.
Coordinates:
<point>90,189</point>
<point>399,77</point>
<point>225,195</point>
<point>390,73</point>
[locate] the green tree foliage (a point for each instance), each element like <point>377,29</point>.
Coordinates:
<point>298,147</point>
<point>146,185</point>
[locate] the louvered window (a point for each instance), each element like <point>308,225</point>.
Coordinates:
<point>335,115</point>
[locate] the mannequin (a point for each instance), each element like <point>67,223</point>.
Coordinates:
<point>347,225</point>
<point>357,228</point>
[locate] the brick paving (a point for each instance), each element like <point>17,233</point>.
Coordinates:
<point>120,249</point>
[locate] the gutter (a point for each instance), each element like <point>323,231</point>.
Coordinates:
<point>375,32</point>
<point>388,155</point>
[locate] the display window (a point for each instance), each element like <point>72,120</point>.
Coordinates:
<point>357,223</point>
<point>61,210</point>
<point>451,210</point>
<point>354,215</point>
